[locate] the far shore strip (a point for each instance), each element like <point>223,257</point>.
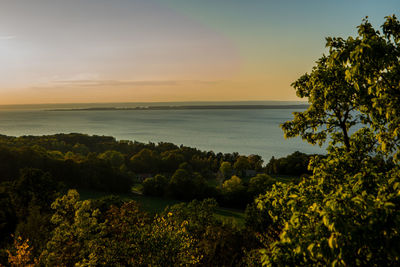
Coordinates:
<point>184,107</point>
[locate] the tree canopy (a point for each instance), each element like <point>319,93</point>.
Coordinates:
<point>348,211</point>
<point>356,85</point>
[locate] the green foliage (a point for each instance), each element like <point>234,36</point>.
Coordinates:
<point>256,220</point>
<point>8,218</point>
<point>145,161</point>
<point>220,244</point>
<point>233,185</point>
<point>185,185</point>
<point>115,158</point>
<point>234,192</point>
<point>241,164</point>
<point>126,237</point>
<point>33,187</point>
<point>76,227</point>
<point>294,164</point>
<point>226,169</point>
<point>325,220</point>
<point>255,162</point>
<point>373,68</point>
<point>80,149</point>
<point>347,213</point>
<point>171,159</point>
<point>156,186</point>
<point>108,231</point>
<point>259,184</point>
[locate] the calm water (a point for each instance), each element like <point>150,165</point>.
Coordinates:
<point>244,131</point>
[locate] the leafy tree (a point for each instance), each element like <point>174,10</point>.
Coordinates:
<point>76,228</point>
<point>170,160</point>
<point>33,187</point>
<point>255,162</point>
<point>156,186</point>
<point>119,243</point>
<point>115,158</point>
<point>185,185</point>
<point>145,161</point>
<point>259,184</point>
<point>126,237</point>
<point>226,169</point>
<point>181,184</point>
<point>241,164</point>
<point>357,83</point>
<point>256,220</point>
<point>186,166</point>
<point>373,68</point>
<point>220,244</point>
<point>80,149</point>
<point>234,192</point>
<point>348,211</point>
<point>167,243</point>
<point>294,164</point>
<point>22,254</point>
<point>8,218</point>
<point>234,184</point>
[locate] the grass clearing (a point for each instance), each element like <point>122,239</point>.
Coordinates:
<point>154,205</point>
<point>286,178</point>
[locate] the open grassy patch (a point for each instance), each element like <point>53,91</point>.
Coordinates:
<point>154,205</point>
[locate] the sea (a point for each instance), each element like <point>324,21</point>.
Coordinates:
<point>246,131</point>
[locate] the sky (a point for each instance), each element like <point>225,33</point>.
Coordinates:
<point>92,51</point>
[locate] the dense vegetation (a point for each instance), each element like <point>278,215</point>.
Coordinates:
<point>36,171</point>
<point>342,209</point>
<point>347,213</point>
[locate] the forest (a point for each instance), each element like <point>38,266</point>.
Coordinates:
<point>339,209</point>
<point>37,170</point>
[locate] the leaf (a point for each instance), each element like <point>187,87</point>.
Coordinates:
<point>310,248</point>
<point>332,242</point>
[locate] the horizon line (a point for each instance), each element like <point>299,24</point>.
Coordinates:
<point>132,102</point>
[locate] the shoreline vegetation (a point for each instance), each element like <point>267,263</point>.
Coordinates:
<point>183,107</point>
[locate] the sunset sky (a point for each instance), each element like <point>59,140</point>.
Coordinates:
<point>64,51</point>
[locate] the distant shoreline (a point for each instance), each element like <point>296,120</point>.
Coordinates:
<point>184,107</point>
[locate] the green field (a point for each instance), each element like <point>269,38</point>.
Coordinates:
<point>155,205</point>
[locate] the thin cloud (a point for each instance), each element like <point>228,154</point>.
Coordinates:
<point>112,83</point>
<point>7,37</point>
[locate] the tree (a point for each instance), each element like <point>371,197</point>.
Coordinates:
<point>373,68</point>
<point>226,169</point>
<point>255,162</point>
<point>22,256</point>
<point>80,149</point>
<point>126,236</point>
<point>145,161</point>
<point>220,244</point>
<point>332,101</point>
<point>260,183</point>
<point>294,164</point>
<point>170,160</point>
<point>155,186</point>
<point>181,184</point>
<point>234,184</point>
<point>115,158</point>
<point>77,226</point>
<point>348,211</point>
<point>241,164</point>
<point>234,192</point>
<point>357,83</point>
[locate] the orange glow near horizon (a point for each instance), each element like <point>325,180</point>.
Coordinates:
<point>153,50</point>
